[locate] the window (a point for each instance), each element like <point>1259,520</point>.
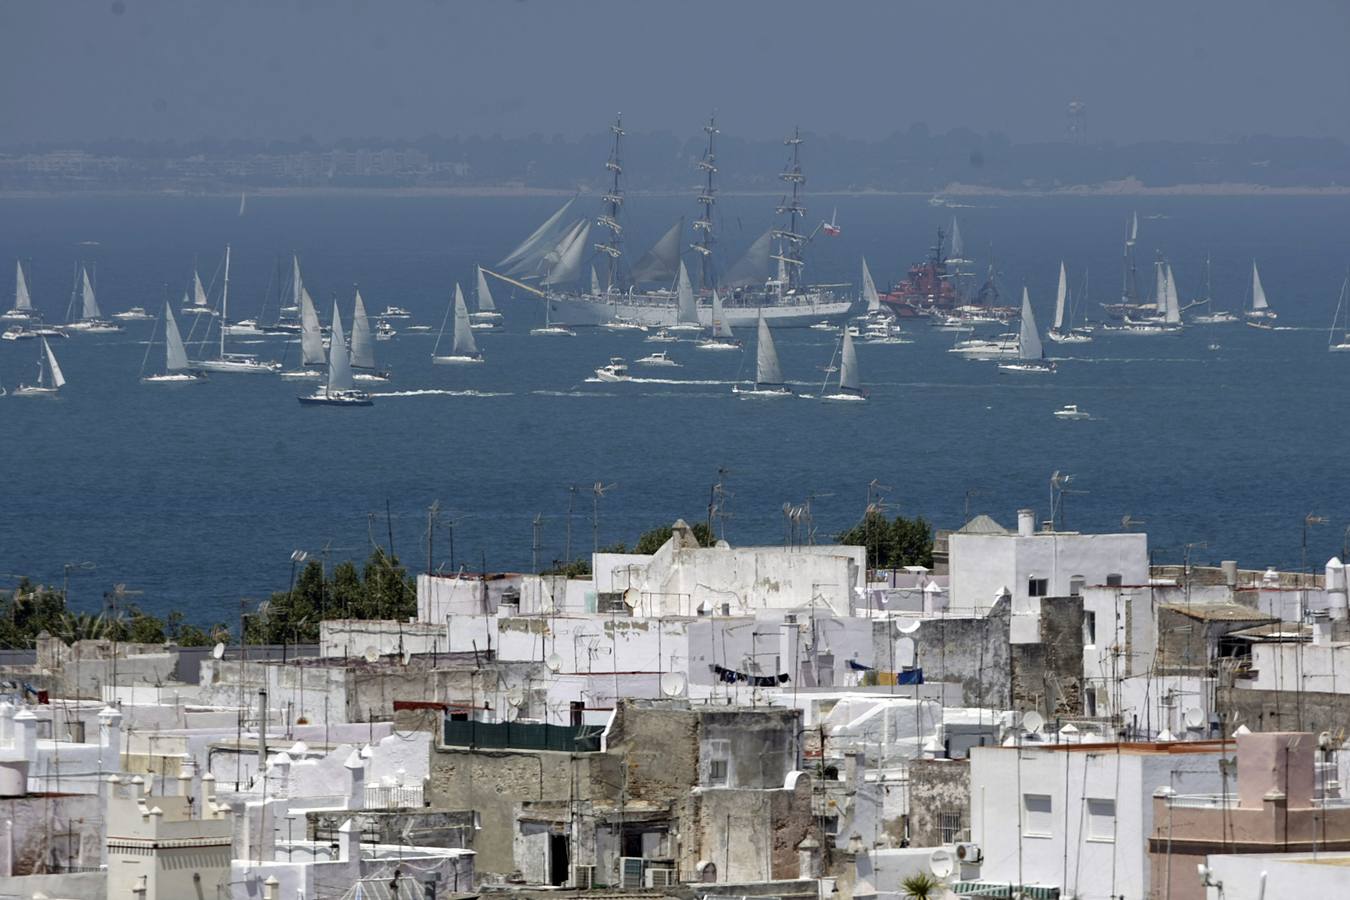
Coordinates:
<point>1076,585</point>
<point>1101,816</point>
<point>1037,818</point>
<point>1115,580</point>
<point>830,825</point>
<point>719,763</point>
<point>950,829</point>
<point>1089,628</point>
<point>1038,587</point>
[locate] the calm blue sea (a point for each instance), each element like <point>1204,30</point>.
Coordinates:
<point>197,495</point>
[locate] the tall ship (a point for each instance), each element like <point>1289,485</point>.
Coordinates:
<point>767,280</point>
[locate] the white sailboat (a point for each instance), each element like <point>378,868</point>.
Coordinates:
<point>233,363</point>
<point>23,302</point>
<point>1339,339</point>
<point>312,356</point>
<point>957,252</point>
<point>768,375</point>
<point>1062,332</point>
<point>363,346</point>
<point>177,369</point>
<point>339,390</point>
<point>91,320</point>
<point>870,297</point>
<point>50,377</point>
<point>197,304</point>
<point>686,306</point>
<point>1214,316</point>
<point>1260,315</point>
<point>850,387</point>
<point>1030,355</point>
<point>487,315</point>
<point>1172,315</point>
<point>549,328</point>
<point>721,337</point>
<point>463,347</point>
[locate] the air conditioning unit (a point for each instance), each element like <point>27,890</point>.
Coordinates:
<point>630,872</point>
<point>660,877</point>
<point>969,854</point>
<point>583,877</point>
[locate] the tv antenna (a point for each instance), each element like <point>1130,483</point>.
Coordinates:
<point>598,490</point>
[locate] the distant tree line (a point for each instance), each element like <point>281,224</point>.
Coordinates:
<point>29,610</point>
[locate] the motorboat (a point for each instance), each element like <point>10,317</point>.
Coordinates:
<point>135,314</point>
<point>1071,411</point>
<point>615,370</point>
<point>659,358</point>
<point>623,325</point>
<point>384,331</point>
<point>395,312</point>
<point>662,336</point>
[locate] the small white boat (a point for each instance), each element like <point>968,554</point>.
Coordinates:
<point>91,319</point>
<point>362,347</point>
<point>662,336</point>
<point>850,387</point>
<point>1030,353</point>
<point>177,369</point>
<point>1214,348</point>
<point>463,350</point>
<point>32,331</point>
<point>1071,411</point>
<point>50,377</point>
<point>395,312</point>
<point>659,358</point>
<point>615,370</point>
<point>549,329</point>
<point>954,324</point>
<point>821,326</point>
<point>135,314</point>
<point>884,331</point>
<point>339,389</point>
<point>1222,317</point>
<point>1338,341</point>
<point>1062,331</point>
<point>244,328</point>
<point>384,331</point>
<point>623,325</point>
<point>768,381</point>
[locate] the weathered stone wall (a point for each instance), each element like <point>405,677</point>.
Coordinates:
<point>660,750</point>
<point>1313,711</point>
<point>937,786</point>
<point>430,828</point>
<point>972,651</point>
<point>1048,676</point>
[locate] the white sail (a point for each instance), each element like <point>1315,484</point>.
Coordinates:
<point>720,328</point>
<point>175,354</point>
<point>485,303</point>
<point>1160,287</point>
<point>297,283</point>
<point>753,267</point>
<point>311,335</point>
<point>339,361</point>
<point>658,264</point>
<point>849,382</point>
<point>363,342</point>
<point>91,310</point>
<point>1029,339</point>
<point>1173,313</point>
<point>58,379</point>
<point>22,300</point>
<point>688,306</point>
<point>198,292</point>
<point>464,343</point>
<point>1258,292</point>
<point>766,356</point>
<point>958,247</point>
<point>243,200</point>
<point>1134,230</point>
<point>1061,293</point>
<point>595,281</point>
<point>869,286</point>
<point>569,256</point>
<point>537,244</point>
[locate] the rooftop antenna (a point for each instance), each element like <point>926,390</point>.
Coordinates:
<point>571,504</point>
<point>1128,521</point>
<point>534,548</point>
<point>598,490</point>
<point>433,511</point>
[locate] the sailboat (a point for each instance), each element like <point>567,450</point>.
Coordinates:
<point>1260,315</point>
<point>849,386</point>
<point>339,390</point>
<point>549,328</point>
<point>363,346</point>
<point>1166,319</point>
<point>1214,316</point>
<point>721,337</point>
<point>1341,325</point>
<point>870,297</point>
<point>50,377</point>
<point>768,376</point>
<point>196,304</point>
<point>1061,332</point>
<point>463,349</point>
<point>23,302</point>
<point>233,363</point>
<point>91,319</point>
<point>487,315</point>
<point>312,356</point>
<point>686,307</point>
<point>177,369</point>
<point>957,250</point>
<point>1030,356</point>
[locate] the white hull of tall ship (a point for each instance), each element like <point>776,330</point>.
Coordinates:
<point>658,310</point>
<point>238,365</point>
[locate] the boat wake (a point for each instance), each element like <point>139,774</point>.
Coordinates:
<point>574,393</point>
<point>636,380</point>
<point>438,392</point>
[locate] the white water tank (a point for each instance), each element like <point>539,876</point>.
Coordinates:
<point>1026,522</point>
<point>1336,588</point>
<point>13,777</point>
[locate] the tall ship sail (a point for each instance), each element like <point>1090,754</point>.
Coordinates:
<point>768,280</point>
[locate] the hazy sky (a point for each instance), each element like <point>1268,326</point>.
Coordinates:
<point>1180,69</point>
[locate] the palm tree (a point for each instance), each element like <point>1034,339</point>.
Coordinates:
<point>921,886</point>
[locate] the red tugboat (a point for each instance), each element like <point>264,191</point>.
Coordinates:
<point>929,287</point>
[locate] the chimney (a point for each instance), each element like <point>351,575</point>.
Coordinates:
<point>271,888</point>
<point>25,733</point>
<point>1230,572</point>
<point>1336,589</point>
<point>349,842</point>
<point>110,738</point>
<point>356,784</point>
<point>1026,522</point>
<point>808,859</point>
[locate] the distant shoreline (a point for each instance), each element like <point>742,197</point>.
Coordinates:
<point>1122,188</point>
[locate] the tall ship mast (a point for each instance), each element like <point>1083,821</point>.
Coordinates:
<point>612,202</point>
<point>707,198</point>
<point>789,238</point>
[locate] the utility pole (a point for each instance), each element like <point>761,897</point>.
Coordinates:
<point>571,503</point>
<point>432,512</point>
<point>534,549</point>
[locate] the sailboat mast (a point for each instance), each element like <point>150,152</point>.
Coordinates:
<point>791,239</point>
<point>225,302</point>
<point>612,245</point>
<point>708,198</point>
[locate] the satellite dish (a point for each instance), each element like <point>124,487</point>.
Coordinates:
<point>673,684</point>
<point>632,597</point>
<point>907,626</point>
<point>371,655</point>
<point>218,651</point>
<point>1033,722</point>
<point>554,662</point>
<point>515,697</point>
<point>940,863</point>
<point>1195,717</point>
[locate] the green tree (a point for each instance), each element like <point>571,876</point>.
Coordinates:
<point>892,543</point>
<point>380,589</point>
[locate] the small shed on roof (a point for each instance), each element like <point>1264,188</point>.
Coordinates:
<point>982,524</point>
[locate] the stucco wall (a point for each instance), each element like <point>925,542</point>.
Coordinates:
<point>937,786</point>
